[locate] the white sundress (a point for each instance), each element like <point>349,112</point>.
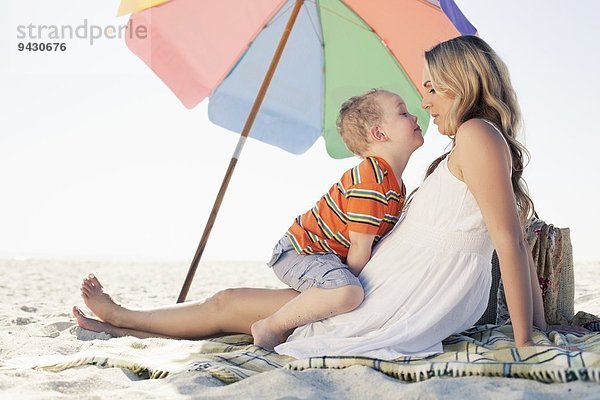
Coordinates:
<point>428,279</point>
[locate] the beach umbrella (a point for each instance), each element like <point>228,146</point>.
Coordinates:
<point>310,55</point>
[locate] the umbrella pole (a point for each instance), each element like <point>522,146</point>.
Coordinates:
<point>244,135</point>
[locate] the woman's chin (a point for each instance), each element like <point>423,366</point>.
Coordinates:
<point>443,132</point>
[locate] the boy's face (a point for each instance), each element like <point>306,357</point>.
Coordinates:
<point>398,124</point>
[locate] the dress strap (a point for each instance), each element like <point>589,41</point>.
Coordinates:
<point>502,136</point>
<point>451,150</point>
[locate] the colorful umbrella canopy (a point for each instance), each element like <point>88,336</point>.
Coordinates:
<point>336,49</point>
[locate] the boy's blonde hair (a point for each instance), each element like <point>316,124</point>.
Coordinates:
<point>357,115</point>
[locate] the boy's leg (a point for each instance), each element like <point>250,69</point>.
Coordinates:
<point>309,306</point>
<point>328,288</point>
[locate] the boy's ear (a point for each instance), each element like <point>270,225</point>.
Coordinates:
<point>377,134</point>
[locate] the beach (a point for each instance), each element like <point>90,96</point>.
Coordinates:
<point>36,297</point>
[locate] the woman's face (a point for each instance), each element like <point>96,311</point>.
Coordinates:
<point>438,105</point>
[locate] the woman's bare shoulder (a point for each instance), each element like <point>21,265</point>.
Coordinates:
<point>479,147</point>
<point>478,135</point>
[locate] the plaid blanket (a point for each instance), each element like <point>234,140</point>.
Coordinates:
<point>485,350</point>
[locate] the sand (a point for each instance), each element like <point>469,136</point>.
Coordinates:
<point>35,319</point>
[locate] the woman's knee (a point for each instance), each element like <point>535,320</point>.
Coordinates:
<point>224,299</point>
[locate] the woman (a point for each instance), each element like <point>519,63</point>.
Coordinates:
<point>431,276</point>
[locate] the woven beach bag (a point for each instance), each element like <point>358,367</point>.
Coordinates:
<point>553,256</point>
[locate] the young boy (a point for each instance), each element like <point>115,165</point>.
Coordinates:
<point>326,248</point>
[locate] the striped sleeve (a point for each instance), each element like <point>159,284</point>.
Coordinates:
<point>366,209</point>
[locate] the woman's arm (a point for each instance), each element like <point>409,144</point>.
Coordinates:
<point>483,160</point>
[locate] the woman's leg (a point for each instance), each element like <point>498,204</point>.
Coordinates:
<point>230,310</point>
<point>95,325</point>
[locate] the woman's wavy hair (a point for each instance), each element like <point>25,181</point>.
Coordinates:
<point>468,69</point>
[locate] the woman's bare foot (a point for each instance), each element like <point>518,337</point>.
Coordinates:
<point>95,325</point>
<point>265,335</point>
<point>101,304</point>
<point>90,324</point>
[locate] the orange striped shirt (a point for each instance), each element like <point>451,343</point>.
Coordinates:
<point>366,199</point>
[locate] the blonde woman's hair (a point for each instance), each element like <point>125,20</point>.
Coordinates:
<point>468,69</point>
<point>357,115</point>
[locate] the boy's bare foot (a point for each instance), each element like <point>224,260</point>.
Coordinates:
<point>101,304</point>
<point>89,323</point>
<point>266,336</point>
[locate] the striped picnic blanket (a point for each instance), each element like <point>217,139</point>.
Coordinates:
<point>485,350</point>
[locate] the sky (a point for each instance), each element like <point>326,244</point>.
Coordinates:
<point>100,161</point>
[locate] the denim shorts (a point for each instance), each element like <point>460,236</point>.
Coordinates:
<point>301,272</point>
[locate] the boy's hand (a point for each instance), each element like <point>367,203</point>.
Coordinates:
<point>359,252</point>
